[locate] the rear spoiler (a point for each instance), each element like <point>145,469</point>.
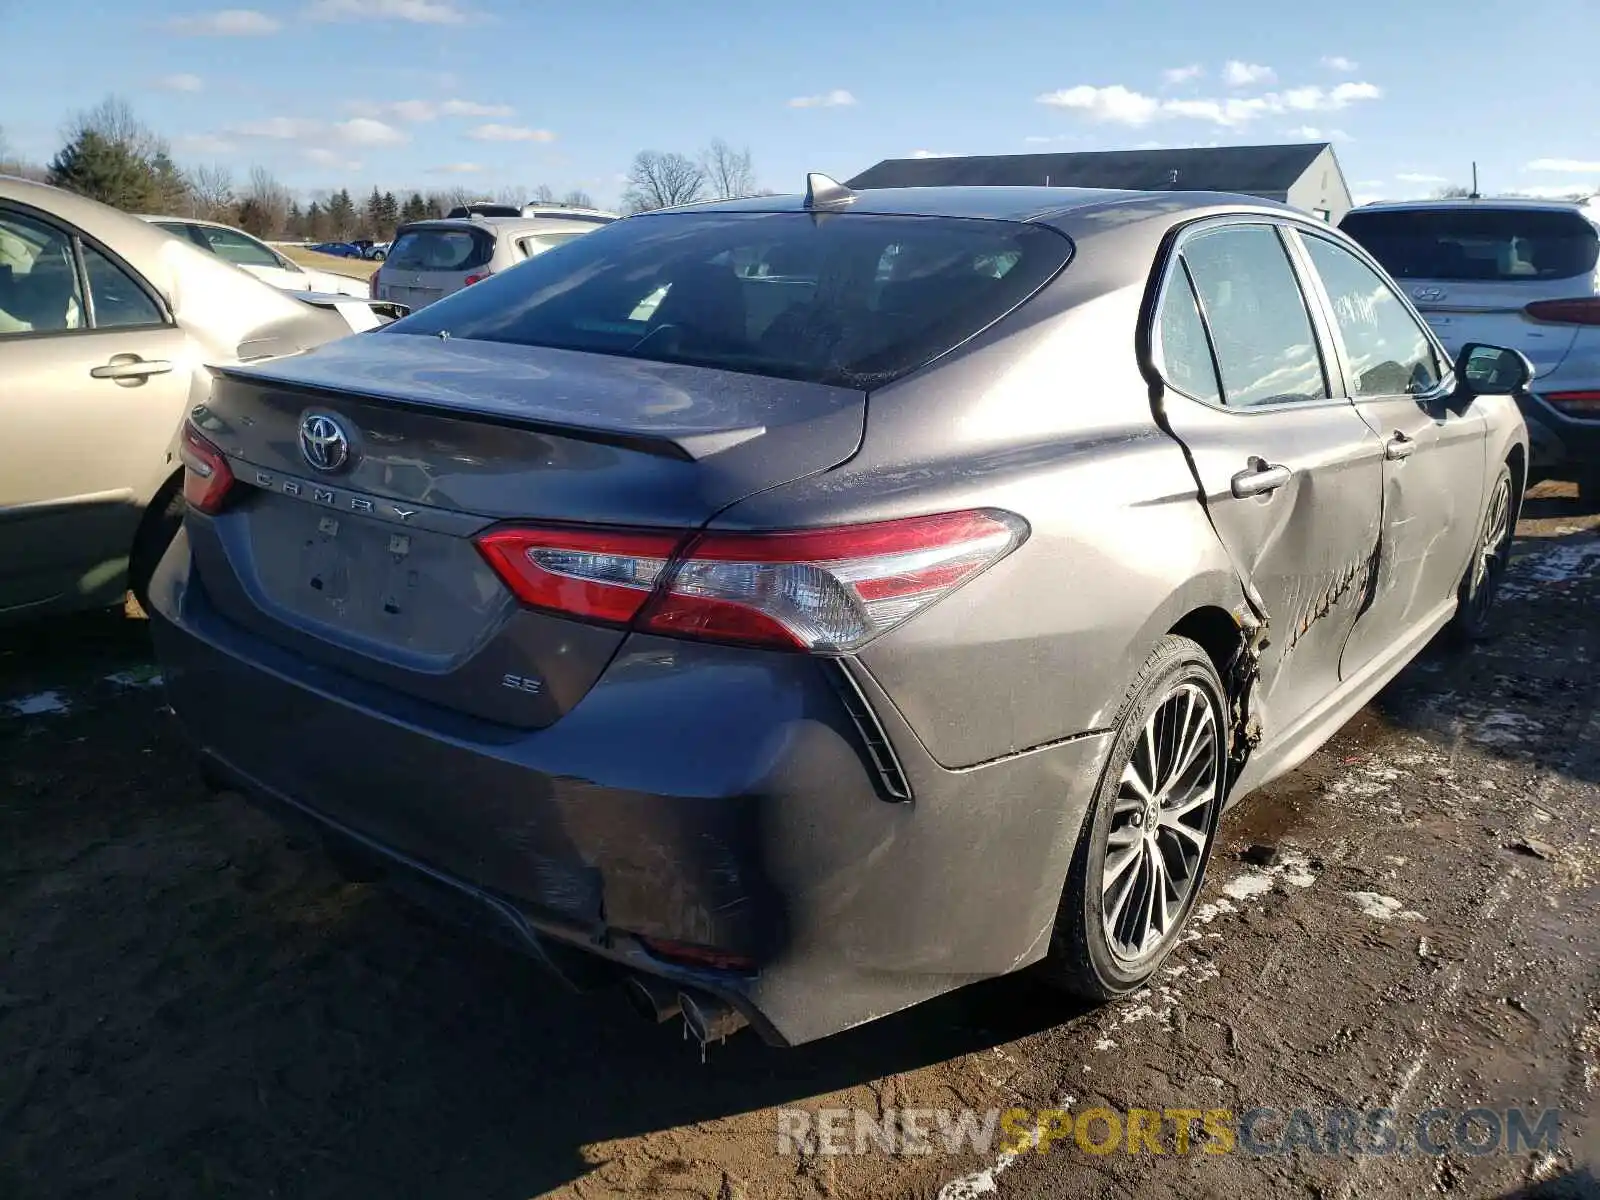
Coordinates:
<point>362,314</point>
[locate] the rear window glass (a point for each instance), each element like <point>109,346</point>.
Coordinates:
<point>440,250</point>
<point>1489,244</point>
<point>850,299</point>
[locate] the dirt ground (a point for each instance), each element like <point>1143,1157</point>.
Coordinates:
<point>193,1004</point>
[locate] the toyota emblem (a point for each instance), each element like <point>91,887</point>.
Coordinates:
<point>323,443</point>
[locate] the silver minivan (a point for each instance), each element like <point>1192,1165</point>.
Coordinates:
<point>431,259</point>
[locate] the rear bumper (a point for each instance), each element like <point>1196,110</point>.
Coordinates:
<point>714,796</point>
<point>1556,442</point>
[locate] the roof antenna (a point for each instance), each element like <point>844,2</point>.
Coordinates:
<point>825,192</point>
<point>1476,195</point>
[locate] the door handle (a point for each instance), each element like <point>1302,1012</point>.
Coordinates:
<point>1399,446</point>
<point>130,367</point>
<point>1261,478</point>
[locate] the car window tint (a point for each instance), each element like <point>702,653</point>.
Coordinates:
<point>1389,354</point>
<point>118,300</point>
<point>38,279</point>
<point>237,248</point>
<point>1185,353</point>
<point>1477,243</point>
<point>1257,317</point>
<point>855,300</point>
<point>440,250</point>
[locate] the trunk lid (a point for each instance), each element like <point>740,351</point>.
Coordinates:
<point>1492,312</point>
<point>370,567</point>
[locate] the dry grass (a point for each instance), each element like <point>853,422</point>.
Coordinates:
<point>355,268</point>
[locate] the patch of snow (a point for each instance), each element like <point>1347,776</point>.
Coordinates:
<point>1209,912</point>
<point>1105,1043</point>
<point>147,677</point>
<point>1506,729</point>
<point>1248,885</point>
<point>1383,908</point>
<point>38,704</point>
<point>1549,566</point>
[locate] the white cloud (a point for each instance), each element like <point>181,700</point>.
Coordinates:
<point>1368,184</point>
<point>456,168</point>
<point>1123,106</point>
<point>414,110</point>
<point>1420,177</point>
<point>228,22</point>
<point>510,133</point>
<point>1338,62</point>
<point>933,154</point>
<point>1575,166</point>
<point>1039,140</point>
<point>204,143</point>
<point>422,12</point>
<point>838,98</point>
<point>1312,133</point>
<point>280,128</point>
<point>181,83</point>
<point>365,131</point>
<point>1243,74</point>
<point>1115,103</point>
<point>324,157</point>
<point>1183,74</point>
<point>471,108</point>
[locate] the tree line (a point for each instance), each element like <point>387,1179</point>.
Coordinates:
<point>110,155</point>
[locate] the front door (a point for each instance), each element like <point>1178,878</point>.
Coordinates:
<point>95,385</point>
<point>1290,472</point>
<point>1433,463</point>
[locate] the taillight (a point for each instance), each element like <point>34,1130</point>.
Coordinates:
<point>478,277</point>
<point>206,474</point>
<point>823,590</point>
<point>372,285</point>
<point>1581,310</point>
<point>1584,405</point>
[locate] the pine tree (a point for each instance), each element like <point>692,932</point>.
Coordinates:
<point>111,172</point>
<point>390,216</point>
<point>341,214</point>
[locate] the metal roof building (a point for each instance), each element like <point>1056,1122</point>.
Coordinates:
<point>1306,175</point>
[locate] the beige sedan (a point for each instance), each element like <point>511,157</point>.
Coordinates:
<point>106,326</point>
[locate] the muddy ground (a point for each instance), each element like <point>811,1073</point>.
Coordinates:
<point>193,1004</point>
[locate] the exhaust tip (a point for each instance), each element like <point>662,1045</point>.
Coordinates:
<point>654,1001</point>
<point>709,1019</point>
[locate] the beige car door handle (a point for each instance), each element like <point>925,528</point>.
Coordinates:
<point>1261,478</point>
<point>130,366</point>
<point>1399,446</point>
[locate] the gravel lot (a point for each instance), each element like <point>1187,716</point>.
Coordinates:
<point>193,1003</point>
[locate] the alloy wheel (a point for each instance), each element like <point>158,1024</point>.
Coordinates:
<point>1490,561</point>
<point>1161,822</point>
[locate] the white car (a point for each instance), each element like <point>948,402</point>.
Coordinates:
<point>260,259</point>
<point>1517,273</point>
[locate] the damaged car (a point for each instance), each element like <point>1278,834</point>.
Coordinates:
<point>799,607</point>
<point>107,325</point>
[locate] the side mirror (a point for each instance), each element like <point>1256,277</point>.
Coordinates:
<point>1483,370</point>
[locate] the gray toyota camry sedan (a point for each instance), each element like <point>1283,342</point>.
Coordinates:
<point>798,607</point>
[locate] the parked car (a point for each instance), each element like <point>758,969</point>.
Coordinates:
<point>337,249</point>
<point>1518,273</point>
<point>830,637</point>
<point>378,251</point>
<point>569,212</point>
<point>432,259</point>
<point>107,325</point>
<point>484,208</point>
<point>260,259</point>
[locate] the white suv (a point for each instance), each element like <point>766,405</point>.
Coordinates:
<point>429,260</point>
<point>1517,273</point>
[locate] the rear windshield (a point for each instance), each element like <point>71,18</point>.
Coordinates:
<point>851,299</point>
<point>440,250</point>
<point>1493,244</point>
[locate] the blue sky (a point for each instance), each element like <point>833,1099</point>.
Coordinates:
<point>434,93</point>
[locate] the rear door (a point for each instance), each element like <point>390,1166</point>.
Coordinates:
<point>429,262</point>
<point>1290,472</point>
<point>1433,460</point>
<point>1472,270</point>
<point>95,384</point>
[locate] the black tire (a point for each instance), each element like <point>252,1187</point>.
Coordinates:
<point>161,523</point>
<point>1082,958</point>
<point>1476,614</point>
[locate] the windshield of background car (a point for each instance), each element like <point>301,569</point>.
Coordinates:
<point>440,250</point>
<point>1483,244</point>
<point>854,299</point>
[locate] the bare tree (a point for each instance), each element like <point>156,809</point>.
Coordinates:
<point>728,172</point>
<point>578,198</point>
<point>517,195</point>
<point>1454,192</point>
<point>211,195</point>
<point>658,180</point>
<point>544,194</point>
<point>114,121</point>
<point>269,201</point>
